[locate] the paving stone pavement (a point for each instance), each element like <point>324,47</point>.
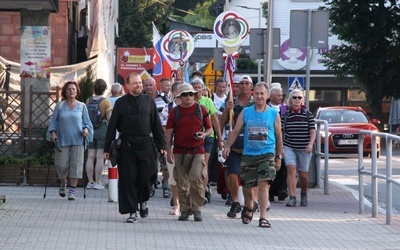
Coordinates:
<point>29,221</point>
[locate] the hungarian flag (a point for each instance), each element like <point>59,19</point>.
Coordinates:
<point>161,67</point>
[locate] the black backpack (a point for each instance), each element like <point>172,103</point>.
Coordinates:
<point>199,113</point>
<point>94,111</point>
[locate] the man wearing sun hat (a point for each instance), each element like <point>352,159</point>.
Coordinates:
<point>188,123</point>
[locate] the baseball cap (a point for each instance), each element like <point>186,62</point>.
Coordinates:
<point>185,88</point>
<point>236,79</point>
<point>246,77</point>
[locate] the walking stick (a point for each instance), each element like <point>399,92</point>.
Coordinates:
<point>48,169</point>
<point>84,167</point>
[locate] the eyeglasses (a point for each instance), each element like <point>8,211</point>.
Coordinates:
<point>187,94</point>
<point>297,97</point>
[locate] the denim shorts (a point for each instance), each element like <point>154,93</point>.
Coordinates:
<point>300,158</point>
<point>233,163</point>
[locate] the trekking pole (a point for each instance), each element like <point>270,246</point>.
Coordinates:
<point>84,167</point>
<point>48,170</point>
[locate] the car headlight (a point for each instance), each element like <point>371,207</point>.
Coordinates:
<point>322,133</point>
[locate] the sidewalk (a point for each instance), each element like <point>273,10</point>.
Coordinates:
<point>29,221</point>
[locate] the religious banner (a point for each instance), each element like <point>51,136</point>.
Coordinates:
<point>230,29</point>
<point>177,46</point>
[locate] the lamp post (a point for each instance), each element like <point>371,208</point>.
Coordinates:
<point>259,26</point>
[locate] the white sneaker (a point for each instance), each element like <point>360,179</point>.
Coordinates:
<point>98,186</point>
<point>90,185</point>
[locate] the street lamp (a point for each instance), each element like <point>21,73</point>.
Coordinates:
<point>259,26</point>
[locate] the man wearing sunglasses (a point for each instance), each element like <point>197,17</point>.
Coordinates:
<point>188,153</point>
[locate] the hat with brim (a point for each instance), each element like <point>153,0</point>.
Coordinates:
<point>246,77</point>
<point>185,88</point>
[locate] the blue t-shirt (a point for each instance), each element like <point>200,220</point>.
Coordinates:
<point>259,131</point>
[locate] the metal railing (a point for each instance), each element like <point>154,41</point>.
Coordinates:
<point>389,138</point>
<point>321,154</point>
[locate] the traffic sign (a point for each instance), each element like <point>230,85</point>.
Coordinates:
<point>295,82</point>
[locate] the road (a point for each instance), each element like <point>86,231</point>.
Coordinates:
<point>345,171</point>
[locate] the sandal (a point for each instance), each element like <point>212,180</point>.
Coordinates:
<point>264,223</point>
<point>246,219</point>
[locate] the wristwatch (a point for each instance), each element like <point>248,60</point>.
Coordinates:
<point>279,157</point>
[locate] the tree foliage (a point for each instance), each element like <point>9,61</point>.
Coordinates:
<point>135,17</point>
<point>201,16</point>
<point>371,50</point>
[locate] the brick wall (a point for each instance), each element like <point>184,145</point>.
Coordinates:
<point>10,24</point>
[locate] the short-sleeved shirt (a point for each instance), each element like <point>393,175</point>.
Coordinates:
<point>296,127</point>
<point>187,126</point>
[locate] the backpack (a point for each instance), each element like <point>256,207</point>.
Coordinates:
<point>199,113</point>
<point>94,111</point>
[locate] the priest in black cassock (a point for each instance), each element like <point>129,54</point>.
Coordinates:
<point>135,117</point>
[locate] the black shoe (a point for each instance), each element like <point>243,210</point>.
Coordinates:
<point>282,195</point>
<point>132,218</point>
<point>197,216</point>
<point>184,216</point>
<point>235,208</point>
<point>171,202</point>
<point>224,196</point>
<point>229,200</point>
<point>144,210</point>
<point>271,198</point>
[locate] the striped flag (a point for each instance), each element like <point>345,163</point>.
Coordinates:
<point>161,67</point>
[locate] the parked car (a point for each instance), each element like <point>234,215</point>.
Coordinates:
<point>344,125</point>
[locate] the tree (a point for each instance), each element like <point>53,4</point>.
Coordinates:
<point>135,17</point>
<point>371,50</point>
<point>201,16</point>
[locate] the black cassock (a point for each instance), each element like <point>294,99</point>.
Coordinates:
<point>136,118</point>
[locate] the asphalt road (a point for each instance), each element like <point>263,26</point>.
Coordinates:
<point>344,170</point>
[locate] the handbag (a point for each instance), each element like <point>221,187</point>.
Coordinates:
<point>114,151</point>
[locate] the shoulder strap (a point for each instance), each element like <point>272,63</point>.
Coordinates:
<point>199,112</point>
<point>170,106</point>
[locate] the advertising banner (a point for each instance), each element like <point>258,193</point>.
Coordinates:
<point>35,51</point>
<point>134,60</point>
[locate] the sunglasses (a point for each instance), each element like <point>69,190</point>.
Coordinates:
<point>297,97</point>
<point>187,94</point>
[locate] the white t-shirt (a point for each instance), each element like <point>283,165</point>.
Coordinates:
<point>218,101</point>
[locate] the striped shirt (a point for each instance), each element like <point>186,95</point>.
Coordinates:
<point>297,128</point>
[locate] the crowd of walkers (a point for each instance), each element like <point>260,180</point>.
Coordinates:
<point>248,140</point>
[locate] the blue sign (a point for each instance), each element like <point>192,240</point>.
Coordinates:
<point>295,82</point>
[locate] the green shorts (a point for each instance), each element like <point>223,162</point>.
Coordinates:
<point>257,168</point>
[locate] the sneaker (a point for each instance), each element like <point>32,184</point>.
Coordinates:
<point>90,185</point>
<point>144,210</point>
<point>63,190</point>
<point>282,195</point>
<point>235,208</point>
<point>174,211</point>
<point>197,216</point>
<point>184,216</point>
<point>268,206</point>
<point>291,202</point>
<point>303,201</point>
<point>208,194</point>
<point>132,218</point>
<point>152,192</point>
<point>229,200</point>
<point>71,196</point>
<point>98,186</point>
